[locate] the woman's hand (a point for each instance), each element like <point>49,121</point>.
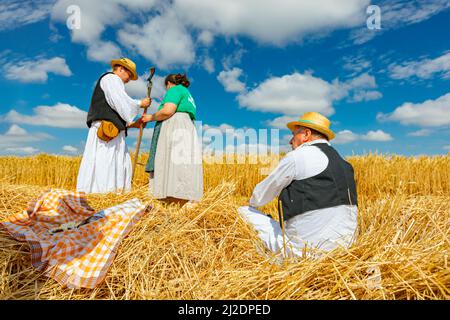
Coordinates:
<point>165,113</point>
<point>147,118</point>
<point>137,124</point>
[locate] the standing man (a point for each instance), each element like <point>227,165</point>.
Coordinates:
<point>106,163</point>
<point>317,191</point>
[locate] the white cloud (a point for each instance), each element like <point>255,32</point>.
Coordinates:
<point>366,96</point>
<point>164,40</point>
<point>292,94</point>
<point>208,64</point>
<point>378,135</point>
<point>15,14</point>
<point>281,122</point>
<point>446,147</point>
<point>356,63</point>
<point>206,37</point>
<point>22,150</point>
<point>36,70</point>
<point>420,133</point>
<point>399,13</point>
<point>103,51</point>
<point>234,58</point>
<point>137,5</point>
<point>363,80</point>
<point>61,115</point>
<point>15,130</point>
<point>96,17</point>
<point>414,12</point>
<point>423,69</point>
<point>363,35</point>
<point>70,149</point>
<point>230,80</point>
<point>430,113</point>
<point>347,136</point>
<point>269,21</point>
<point>138,88</point>
<point>297,93</point>
<point>359,88</point>
<point>16,137</point>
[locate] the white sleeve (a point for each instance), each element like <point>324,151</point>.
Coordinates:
<point>271,186</point>
<point>118,99</point>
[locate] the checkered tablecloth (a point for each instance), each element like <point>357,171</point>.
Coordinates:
<point>77,258</point>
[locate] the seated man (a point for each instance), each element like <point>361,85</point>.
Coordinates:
<point>317,191</point>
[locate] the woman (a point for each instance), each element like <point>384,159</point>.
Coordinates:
<point>175,162</point>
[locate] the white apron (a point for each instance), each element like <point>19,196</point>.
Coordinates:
<point>178,161</point>
<point>105,166</point>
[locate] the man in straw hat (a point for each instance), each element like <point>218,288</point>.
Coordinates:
<point>106,163</point>
<point>316,190</point>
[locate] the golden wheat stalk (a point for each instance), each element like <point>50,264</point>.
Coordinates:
<point>209,252</point>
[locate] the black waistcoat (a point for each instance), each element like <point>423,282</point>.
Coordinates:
<point>332,187</point>
<point>101,110</point>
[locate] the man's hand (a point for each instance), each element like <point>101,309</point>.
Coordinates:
<point>145,103</point>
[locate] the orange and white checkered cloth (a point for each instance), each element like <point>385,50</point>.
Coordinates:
<point>77,258</point>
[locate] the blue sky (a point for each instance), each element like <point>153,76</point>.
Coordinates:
<point>253,64</point>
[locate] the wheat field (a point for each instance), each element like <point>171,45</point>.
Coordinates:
<point>401,249</point>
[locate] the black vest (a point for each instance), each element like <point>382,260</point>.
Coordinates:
<point>101,110</point>
<point>332,187</point>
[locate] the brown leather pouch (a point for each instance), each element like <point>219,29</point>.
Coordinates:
<point>107,131</point>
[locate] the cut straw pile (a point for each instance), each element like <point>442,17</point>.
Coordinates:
<point>208,252</point>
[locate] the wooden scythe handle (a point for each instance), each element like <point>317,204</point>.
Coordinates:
<point>141,127</point>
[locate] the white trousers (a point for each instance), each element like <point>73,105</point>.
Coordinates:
<point>323,229</point>
<point>105,166</point>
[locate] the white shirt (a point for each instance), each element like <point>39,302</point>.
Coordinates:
<point>118,99</point>
<point>304,162</point>
<point>323,228</point>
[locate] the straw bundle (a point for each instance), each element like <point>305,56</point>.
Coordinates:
<point>208,252</point>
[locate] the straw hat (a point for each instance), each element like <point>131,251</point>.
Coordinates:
<point>128,64</point>
<point>315,121</point>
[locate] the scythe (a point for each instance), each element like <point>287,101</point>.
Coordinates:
<point>141,128</point>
